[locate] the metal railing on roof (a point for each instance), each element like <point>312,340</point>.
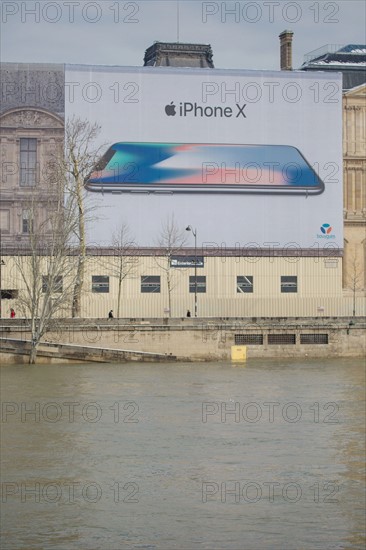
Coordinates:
<point>327,48</point>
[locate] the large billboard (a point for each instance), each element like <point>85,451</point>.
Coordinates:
<point>246,158</point>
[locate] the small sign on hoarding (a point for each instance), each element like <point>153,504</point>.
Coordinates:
<point>187,261</point>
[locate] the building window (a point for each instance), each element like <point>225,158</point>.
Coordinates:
<point>288,283</point>
<point>28,162</point>
<point>244,283</point>
<point>9,294</point>
<point>150,283</point>
<point>4,221</point>
<point>201,283</point>
<point>57,284</point>
<point>27,221</point>
<point>100,283</point>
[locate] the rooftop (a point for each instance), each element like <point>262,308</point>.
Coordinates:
<point>178,54</point>
<point>349,59</point>
<point>335,54</point>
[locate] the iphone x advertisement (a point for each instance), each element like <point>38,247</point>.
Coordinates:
<point>192,167</point>
<point>243,156</point>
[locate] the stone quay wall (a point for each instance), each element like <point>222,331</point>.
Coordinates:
<point>196,339</point>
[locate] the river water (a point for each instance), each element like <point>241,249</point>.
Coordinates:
<point>264,455</point>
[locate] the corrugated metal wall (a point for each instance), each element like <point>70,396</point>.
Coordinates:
<point>319,290</point>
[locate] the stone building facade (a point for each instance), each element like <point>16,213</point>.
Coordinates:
<point>354,167</point>
<point>350,60</point>
<point>30,141</point>
<point>31,137</point>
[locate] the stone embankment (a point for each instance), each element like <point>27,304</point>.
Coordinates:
<point>192,339</point>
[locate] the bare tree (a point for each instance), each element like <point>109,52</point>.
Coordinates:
<point>355,280</point>
<point>123,262</point>
<point>51,281</point>
<point>45,267</point>
<point>80,157</point>
<point>170,241</point>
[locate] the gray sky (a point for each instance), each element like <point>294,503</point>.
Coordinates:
<point>114,32</point>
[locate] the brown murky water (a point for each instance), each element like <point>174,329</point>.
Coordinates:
<point>269,455</point>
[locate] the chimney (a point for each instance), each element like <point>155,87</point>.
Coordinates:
<point>286,50</point>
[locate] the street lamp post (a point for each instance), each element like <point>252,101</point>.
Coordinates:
<point>1,288</point>
<point>194,232</point>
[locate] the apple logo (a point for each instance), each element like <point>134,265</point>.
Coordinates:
<point>170,109</point>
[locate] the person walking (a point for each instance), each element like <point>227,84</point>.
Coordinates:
<point>12,313</point>
<point>110,314</point>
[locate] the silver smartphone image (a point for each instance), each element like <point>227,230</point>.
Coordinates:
<point>203,168</point>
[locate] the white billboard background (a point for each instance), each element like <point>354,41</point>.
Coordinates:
<point>282,108</point>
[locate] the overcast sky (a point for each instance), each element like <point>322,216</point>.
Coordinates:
<point>111,32</point>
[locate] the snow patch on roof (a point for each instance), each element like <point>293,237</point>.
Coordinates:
<point>349,63</point>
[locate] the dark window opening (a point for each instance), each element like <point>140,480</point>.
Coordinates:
<point>244,283</point>
<point>100,283</point>
<point>27,222</point>
<point>9,294</point>
<point>150,283</point>
<point>57,284</point>
<point>282,339</point>
<point>28,162</point>
<point>288,283</point>
<point>249,339</point>
<point>314,338</point>
<point>199,283</point>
